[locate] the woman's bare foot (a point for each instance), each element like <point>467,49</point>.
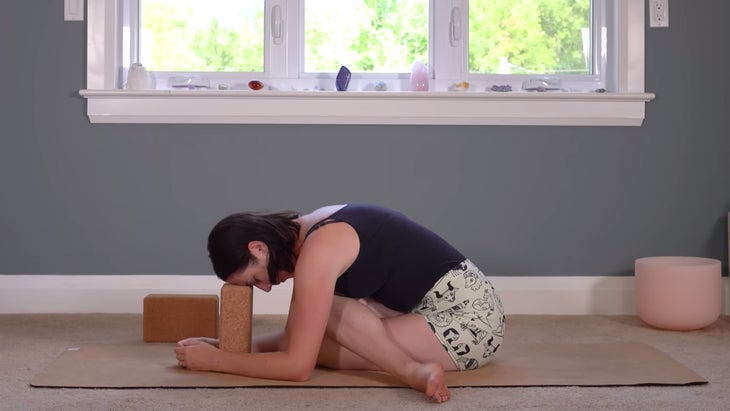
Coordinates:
<point>429,379</point>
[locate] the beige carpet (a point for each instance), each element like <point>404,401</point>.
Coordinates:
<point>556,364</point>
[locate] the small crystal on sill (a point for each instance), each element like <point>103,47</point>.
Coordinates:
<point>461,86</point>
<point>255,85</point>
<point>381,85</point>
<point>189,82</point>
<point>541,84</point>
<point>501,88</point>
<point>343,79</point>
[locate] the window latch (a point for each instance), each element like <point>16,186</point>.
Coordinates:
<point>455,26</point>
<point>276,24</point>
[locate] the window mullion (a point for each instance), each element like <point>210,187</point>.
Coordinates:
<point>281,33</point>
<point>295,39</point>
<point>450,49</point>
<point>128,14</point>
<point>274,50</point>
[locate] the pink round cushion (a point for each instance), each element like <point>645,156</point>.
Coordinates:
<point>678,293</point>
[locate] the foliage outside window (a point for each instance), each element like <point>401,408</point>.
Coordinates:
<point>531,37</point>
<point>208,36</point>
<point>379,35</point>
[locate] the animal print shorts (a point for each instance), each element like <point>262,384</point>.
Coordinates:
<point>466,315</point>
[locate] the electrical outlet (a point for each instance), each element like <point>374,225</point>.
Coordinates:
<point>659,13</point>
<point>73,10</point>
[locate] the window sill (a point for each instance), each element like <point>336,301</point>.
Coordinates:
<point>425,108</point>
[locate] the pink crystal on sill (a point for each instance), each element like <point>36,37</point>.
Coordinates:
<point>419,77</point>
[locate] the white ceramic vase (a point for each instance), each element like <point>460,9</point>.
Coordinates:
<point>138,78</point>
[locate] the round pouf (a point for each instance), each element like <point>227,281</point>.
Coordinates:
<point>678,293</point>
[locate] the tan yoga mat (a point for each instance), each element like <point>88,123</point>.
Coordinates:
<point>154,366</point>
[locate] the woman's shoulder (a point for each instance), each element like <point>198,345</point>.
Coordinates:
<point>326,243</point>
<point>321,214</point>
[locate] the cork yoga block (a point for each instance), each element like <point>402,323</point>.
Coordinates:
<point>173,317</point>
<point>235,318</point>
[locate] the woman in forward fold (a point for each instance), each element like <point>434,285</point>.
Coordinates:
<point>372,291</point>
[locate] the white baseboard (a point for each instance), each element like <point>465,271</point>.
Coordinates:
<point>67,294</point>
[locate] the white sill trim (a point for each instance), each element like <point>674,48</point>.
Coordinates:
<point>330,107</point>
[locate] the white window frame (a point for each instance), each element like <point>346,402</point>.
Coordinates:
<point>107,102</point>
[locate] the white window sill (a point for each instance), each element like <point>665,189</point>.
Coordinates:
<point>322,107</point>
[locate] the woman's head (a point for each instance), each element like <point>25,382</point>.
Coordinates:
<point>228,242</point>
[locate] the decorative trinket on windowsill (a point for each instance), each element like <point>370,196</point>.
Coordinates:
<point>343,79</point>
<point>504,88</point>
<point>460,86</point>
<point>255,85</point>
<point>541,84</point>
<point>419,77</point>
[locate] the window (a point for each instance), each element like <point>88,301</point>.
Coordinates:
<point>533,37</point>
<point>382,36</point>
<point>203,55</point>
<point>195,36</point>
<point>223,42</point>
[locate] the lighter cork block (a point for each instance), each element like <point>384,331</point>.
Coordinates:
<point>235,318</point>
<point>173,317</point>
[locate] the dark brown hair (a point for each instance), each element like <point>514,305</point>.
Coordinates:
<point>228,242</point>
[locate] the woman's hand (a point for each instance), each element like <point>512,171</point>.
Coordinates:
<point>212,341</point>
<point>196,354</point>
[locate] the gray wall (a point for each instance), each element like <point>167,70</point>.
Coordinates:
<point>79,198</point>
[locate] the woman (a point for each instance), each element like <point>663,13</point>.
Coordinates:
<point>372,291</point>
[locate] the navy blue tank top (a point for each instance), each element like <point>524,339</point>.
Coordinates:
<point>399,260</point>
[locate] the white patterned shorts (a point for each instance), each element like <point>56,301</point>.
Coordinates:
<point>466,315</point>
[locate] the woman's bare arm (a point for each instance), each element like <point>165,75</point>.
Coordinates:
<point>275,341</point>
<point>325,255</point>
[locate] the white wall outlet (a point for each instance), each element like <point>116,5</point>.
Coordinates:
<point>73,10</point>
<point>659,13</point>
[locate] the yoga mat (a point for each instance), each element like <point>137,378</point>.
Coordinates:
<point>154,366</point>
